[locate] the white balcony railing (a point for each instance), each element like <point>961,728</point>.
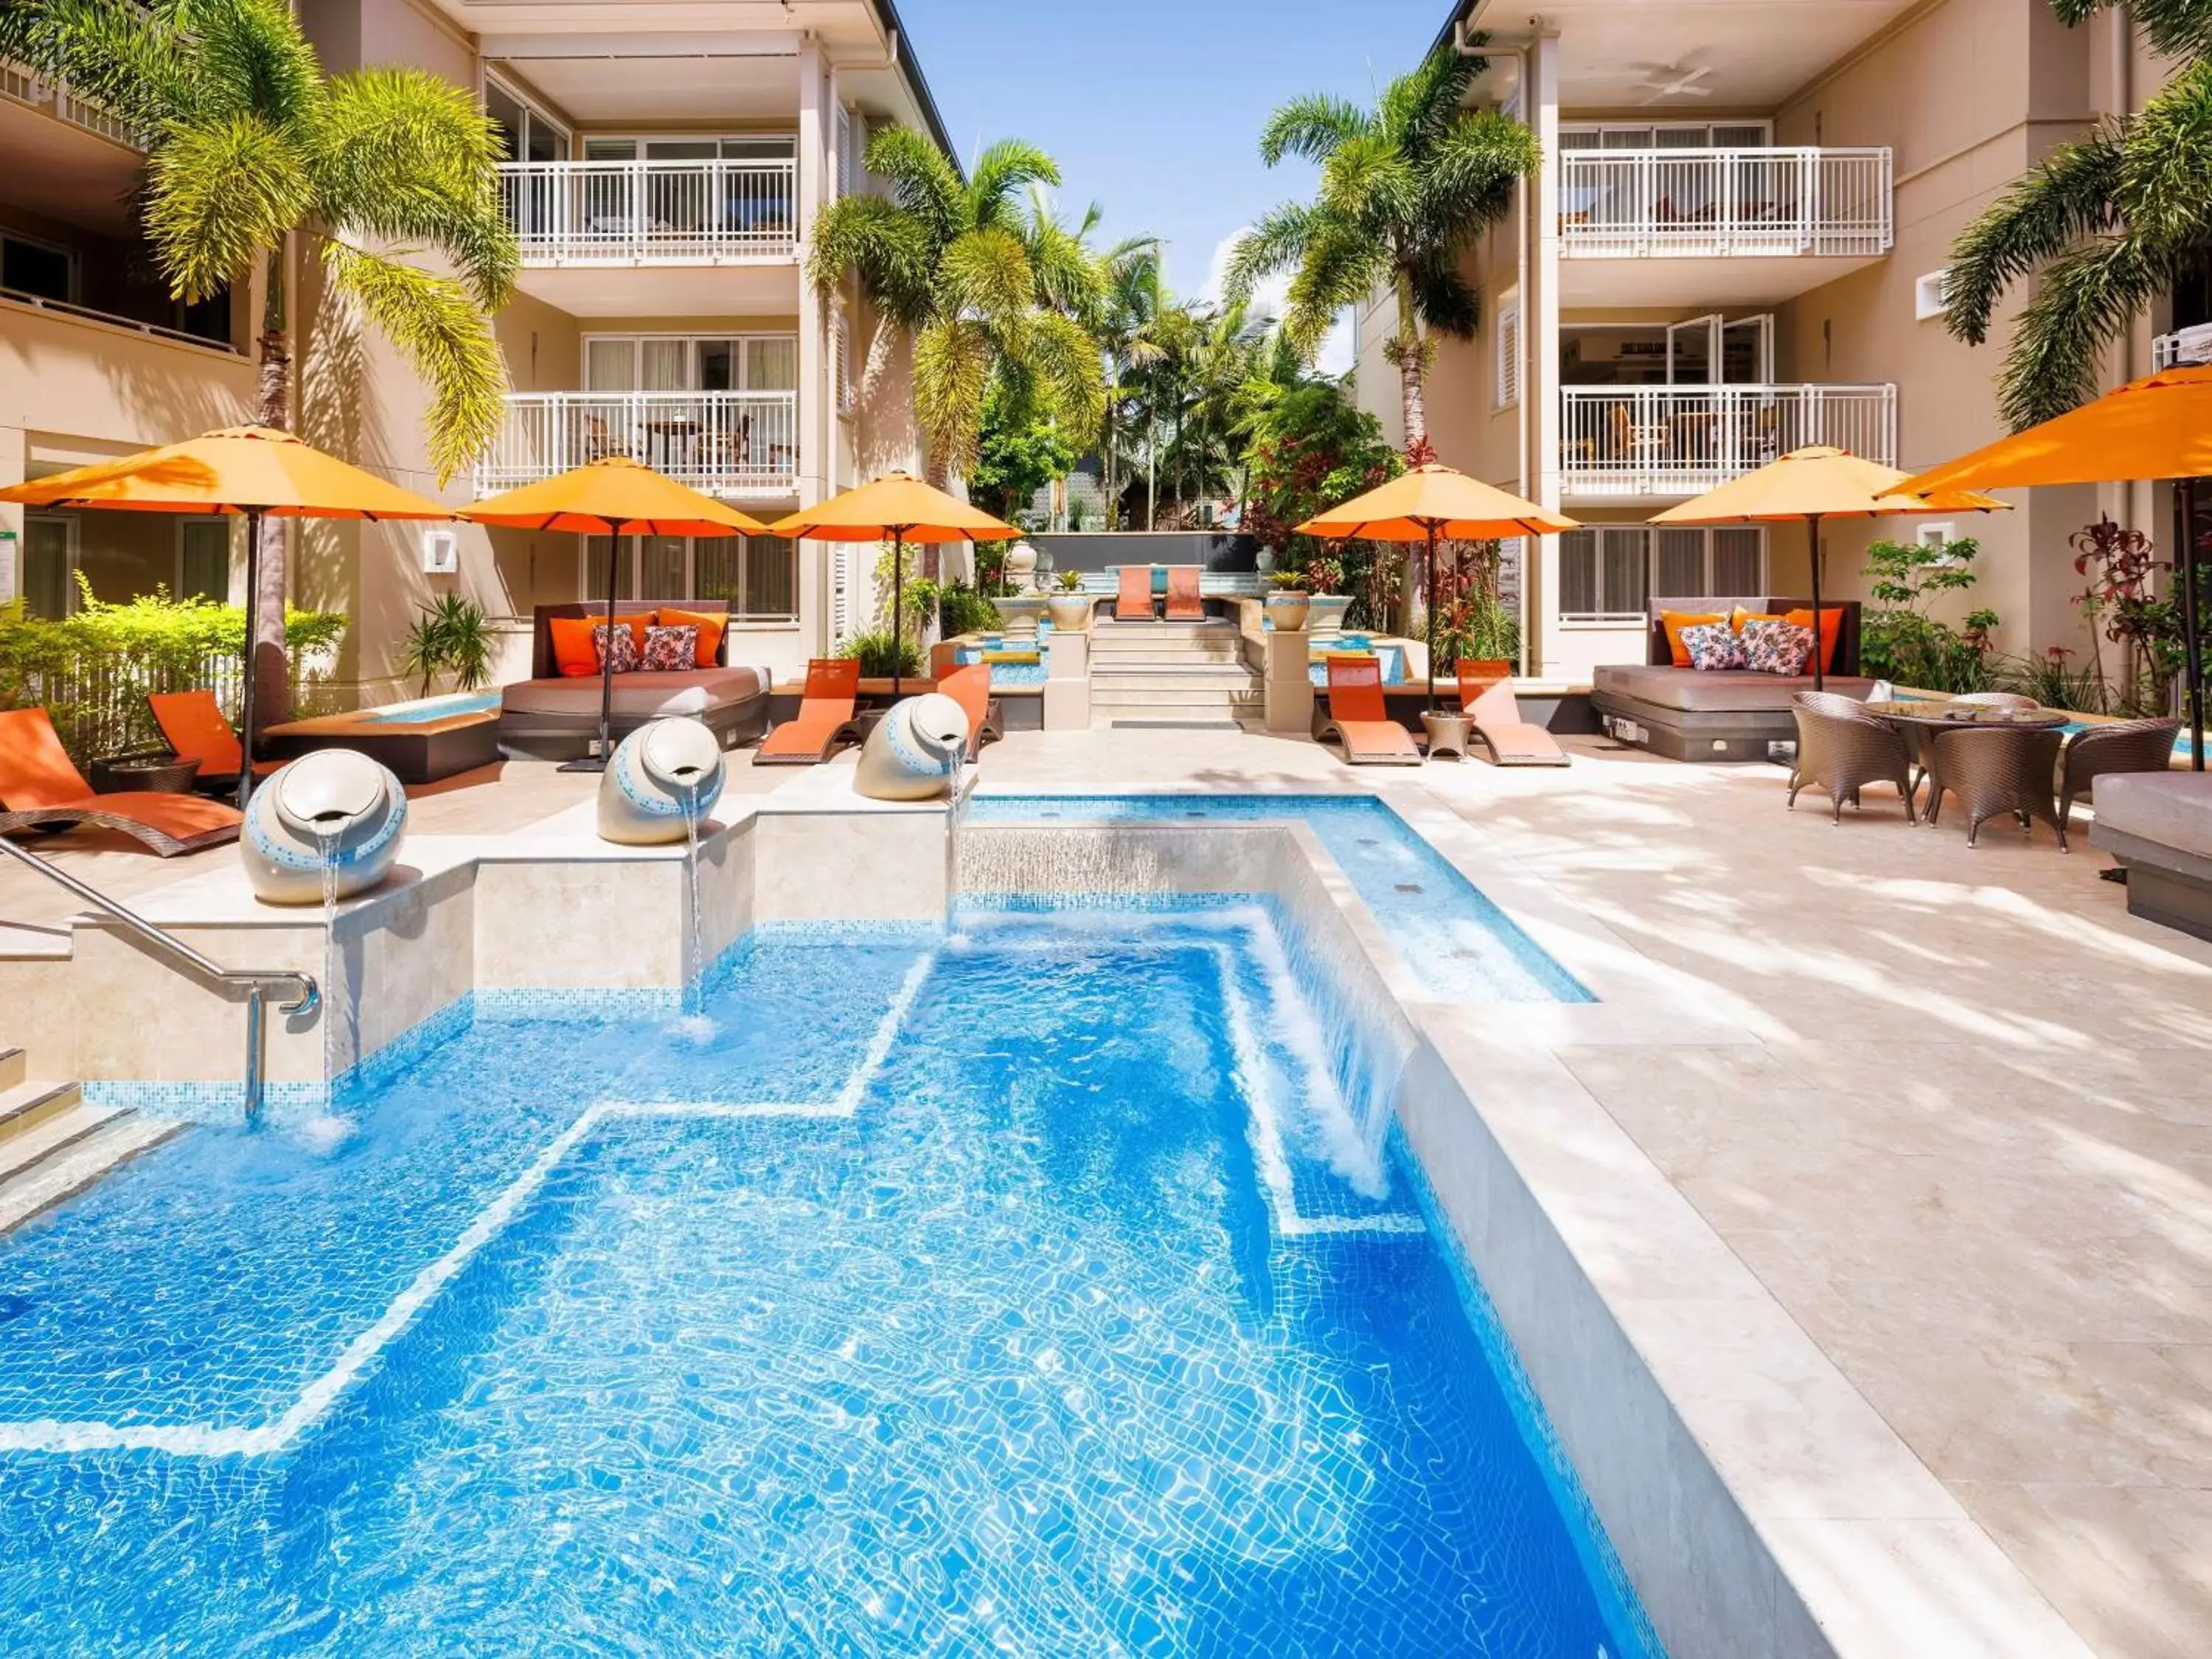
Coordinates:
<point>1683,440</point>
<point>726,443</point>
<point>1708,204</point>
<point>25,85</point>
<point>2185,348</point>
<point>651,212</point>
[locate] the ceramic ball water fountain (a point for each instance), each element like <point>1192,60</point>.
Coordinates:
<point>915,750</point>
<point>322,828</point>
<point>662,781</point>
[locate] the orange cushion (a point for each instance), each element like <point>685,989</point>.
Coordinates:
<point>710,625</point>
<point>1743,614</point>
<point>573,653</point>
<point>1832,627</point>
<point>1674,622</point>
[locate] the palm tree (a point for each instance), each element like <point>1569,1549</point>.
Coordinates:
<point>983,289</point>
<point>2105,226</point>
<point>1404,187</point>
<point>250,145</point>
<point>1134,295</point>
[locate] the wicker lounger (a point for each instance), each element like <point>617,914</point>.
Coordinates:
<point>1359,719</point>
<point>1493,713</point>
<point>40,788</point>
<point>824,718</point>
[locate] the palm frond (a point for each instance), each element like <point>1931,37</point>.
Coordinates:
<point>2175,29</point>
<point>1417,109</point>
<point>1311,127</point>
<point>1467,180</point>
<point>1277,242</point>
<point>2087,298</point>
<point>2165,158</point>
<point>890,248</point>
<point>129,59</point>
<point>951,372</point>
<point>922,181</point>
<point>1340,269</point>
<point>1369,181</point>
<point>986,274</point>
<point>1443,299</point>
<point>252,57</point>
<point>1060,354</point>
<point>1001,173</point>
<point>441,330</point>
<point>218,194</point>
<point>2071,193</point>
<point>406,156</point>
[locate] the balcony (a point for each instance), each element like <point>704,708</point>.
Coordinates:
<point>1640,442</point>
<point>722,443</point>
<point>20,84</point>
<point>1718,226</point>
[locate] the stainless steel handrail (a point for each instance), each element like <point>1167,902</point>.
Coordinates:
<point>306,996</point>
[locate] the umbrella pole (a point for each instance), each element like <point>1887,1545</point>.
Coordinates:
<point>898,605</point>
<point>1812,530</point>
<point>253,650</point>
<point>1430,606</point>
<point>2190,622</point>
<point>598,762</point>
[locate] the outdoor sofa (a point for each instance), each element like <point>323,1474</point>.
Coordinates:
<point>2158,825</point>
<point>555,716</point>
<point>1727,714</point>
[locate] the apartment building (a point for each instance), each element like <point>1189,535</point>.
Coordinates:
<point>1735,247</point>
<point>664,166</point>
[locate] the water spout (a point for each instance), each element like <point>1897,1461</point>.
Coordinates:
<point>955,807</point>
<point>695,978</point>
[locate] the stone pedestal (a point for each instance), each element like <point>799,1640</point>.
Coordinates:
<point>1288,683</point>
<point>1067,682</point>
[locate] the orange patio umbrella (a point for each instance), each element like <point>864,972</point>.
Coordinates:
<point>1430,503</point>
<point>251,469</point>
<point>616,497</point>
<point>1814,483</point>
<point>2157,427</point>
<point>901,507</point>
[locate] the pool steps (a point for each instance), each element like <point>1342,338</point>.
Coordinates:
<point>54,1143</point>
<point>1157,671</point>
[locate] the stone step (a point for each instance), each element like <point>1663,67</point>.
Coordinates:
<point>1177,698</point>
<point>1206,651</point>
<point>1106,681</point>
<point>19,1152</point>
<point>15,1066</point>
<point>29,1104</point>
<point>69,1170</point>
<point>1108,629</point>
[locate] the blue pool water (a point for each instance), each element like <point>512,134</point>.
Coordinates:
<point>1012,673</point>
<point>1457,941</point>
<point>1393,660</point>
<point>438,708</point>
<point>1038,1303</point>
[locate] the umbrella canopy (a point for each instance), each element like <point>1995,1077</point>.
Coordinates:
<point>252,469</point>
<point>2160,427</point>
<point>1814,483</point>
<point>240,469</point>
<point>1430,503</point>
<point>900,505</point>
<point>616,497</point>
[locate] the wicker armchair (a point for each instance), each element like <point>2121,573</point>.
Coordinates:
<point>1921,748</point>
<point>2128,746</point>
<point>1994,769</point>
<point>1842,747</point>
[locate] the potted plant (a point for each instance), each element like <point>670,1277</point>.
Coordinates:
<point>1070,607</point>
<point>1288,602</point>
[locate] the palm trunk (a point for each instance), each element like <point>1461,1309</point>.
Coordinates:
<point>265,624</point>
<point>1410,376</point>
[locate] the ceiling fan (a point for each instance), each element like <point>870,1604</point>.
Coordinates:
<point>1671,81</point>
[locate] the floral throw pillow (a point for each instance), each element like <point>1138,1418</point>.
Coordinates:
<point>672,649</point>
<point>625,651</point>
<point>1713,646</point>
<point>1777,648</point>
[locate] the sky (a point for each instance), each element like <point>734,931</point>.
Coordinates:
<point>1152,108</point>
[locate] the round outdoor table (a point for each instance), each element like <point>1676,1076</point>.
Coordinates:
<point>2023,785</point>
<point>1447,733</point>
<point>163,775</point>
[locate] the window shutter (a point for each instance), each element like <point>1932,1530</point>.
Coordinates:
<point>1507,386</point>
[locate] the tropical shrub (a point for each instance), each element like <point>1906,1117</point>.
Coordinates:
<point>92,672</point>
<point>2117,566</point>
<point>1019,452</point>
<point>1472,619</point>
<point>876,651</point>
<point>1312,448</point>
<point>449,637</point>
<point>1900,642</point>
<point>964,610</point>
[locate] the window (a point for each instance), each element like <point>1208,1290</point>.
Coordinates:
<point>526,132</point>
<point>1611,572</point>
<point>757,575</point>
<point>675,362</point>
<point>39,269</point>
<point>1666,135</point>
<point>751,146</point>
<point>49,566</point>
<point>1506,392</point>
<point>1927,295</point>
<point>203,559</point>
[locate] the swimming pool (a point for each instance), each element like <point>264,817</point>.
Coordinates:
<point>433,708</point>
<point>1455,941</point>
<point>1040,1303</point>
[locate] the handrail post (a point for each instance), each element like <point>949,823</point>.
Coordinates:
<point>256,1054</point>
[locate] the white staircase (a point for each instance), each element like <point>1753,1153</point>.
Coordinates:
<point>53,1144</point>
<point>1163,673</point>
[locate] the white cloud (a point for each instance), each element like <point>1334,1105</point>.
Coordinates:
<point>1272,296</point>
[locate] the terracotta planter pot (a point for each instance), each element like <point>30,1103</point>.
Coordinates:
<point>1288,612</point>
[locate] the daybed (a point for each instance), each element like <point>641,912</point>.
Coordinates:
<point>1727,714</point>
<point>2159,824</point>
<point>555,716</point>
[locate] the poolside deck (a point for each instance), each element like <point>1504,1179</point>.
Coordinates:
<point>1967,1143</point>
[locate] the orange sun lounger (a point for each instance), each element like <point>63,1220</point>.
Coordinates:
<point>1133,600</point>
<point>193,724</point>
<point>1184,604</point>
<point>824,718</point>
<point>970,686</point>
<point>40,788</point>
<point>1485,697</point>
<point>1359,719</point>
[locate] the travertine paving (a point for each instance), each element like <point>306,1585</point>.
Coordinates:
<point>1970,1151</point>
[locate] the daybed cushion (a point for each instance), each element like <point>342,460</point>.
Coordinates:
<point>638,697</point>
<point>1722,691</point>
<point>2169,809</point>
